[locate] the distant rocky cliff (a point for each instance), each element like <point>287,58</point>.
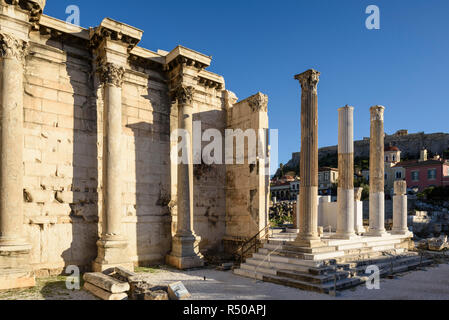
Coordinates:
<point>409,144</point>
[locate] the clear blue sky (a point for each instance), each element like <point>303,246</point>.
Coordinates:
<point>261,45</point>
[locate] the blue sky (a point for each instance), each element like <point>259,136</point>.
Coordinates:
<point>261,45</point>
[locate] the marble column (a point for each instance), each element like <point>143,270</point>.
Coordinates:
<point>185,244</point>
<point>377,173</point>
<point>112,244</point>
<point>400,208</point>
<point>308,212</point>
<point>12,54</point>
<point>345,198</point>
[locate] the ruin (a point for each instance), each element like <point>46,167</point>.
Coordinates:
<point>311,258</point>
<point>86,171</point>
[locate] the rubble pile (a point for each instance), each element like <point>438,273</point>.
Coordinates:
<point>434,244</point>
<point>122,284</point>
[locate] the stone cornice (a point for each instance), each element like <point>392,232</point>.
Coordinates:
<point>34,7</point>
<point>309,80</point>
<point>186,57</point>
<point>111,74</point>
<point>11,47</point>
<point>115,31</point>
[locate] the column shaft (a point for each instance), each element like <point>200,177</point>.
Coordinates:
<point>11,179</point>
<point>345,217</point>
<point>185,176</point>
<point>308,216</point>
<point>400,208</point>
<point>377,173</point>
<point>113,183</point>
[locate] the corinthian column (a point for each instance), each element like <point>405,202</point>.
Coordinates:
<point>111,246</point>
<point>185,244</point>
<point>308,211</point>
<point>345,217</point>
<point>377,173</point>
<point>12,52</point>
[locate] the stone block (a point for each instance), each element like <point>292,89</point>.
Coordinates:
<point>106,282</point>
<point>177,291</point>
<point>102,294</point>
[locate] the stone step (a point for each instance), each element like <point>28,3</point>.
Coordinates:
<point>257,268</point>
<point>250,274</point>
<point>277,265</point>
<point>309,250</point>
<point>317,279</point>
<point>277,258</point>
<point>321,288</point>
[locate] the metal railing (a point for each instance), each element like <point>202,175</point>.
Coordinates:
<point>253,243</point>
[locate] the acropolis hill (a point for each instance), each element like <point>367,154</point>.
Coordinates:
<point>409,144</point>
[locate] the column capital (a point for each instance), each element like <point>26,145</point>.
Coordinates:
<point>346,107</point>
<point>111,74</point>
<point>377,113</point>
<point>183,95</point>
<point>12,47</point>
<point>258,102</point>
<point>309,80</point>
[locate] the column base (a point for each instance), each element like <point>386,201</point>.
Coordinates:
<point>185,253</point>
<point>14,256</point>
<point>308,243</point>
<point>112,253</point>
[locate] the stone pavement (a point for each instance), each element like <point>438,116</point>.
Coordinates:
<point>430,283</point>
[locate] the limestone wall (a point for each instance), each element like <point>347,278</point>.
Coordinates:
<point>63,157</point>
<point>246,206</point>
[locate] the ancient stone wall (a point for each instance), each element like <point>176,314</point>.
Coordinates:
<point>246,206</point>
<point>63,155</point>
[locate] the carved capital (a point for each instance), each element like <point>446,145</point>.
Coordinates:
<point>309,80</point>
<point>377,113</point>
<point>184,95</point>
<point>258,102</point>
<point>11,47</point>
<point>112,74</point>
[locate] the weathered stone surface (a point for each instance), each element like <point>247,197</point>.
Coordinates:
<point>106,282</point>
<point>177,291</point>
<point>104,295</point>
<point>156,295</point>
<point>308,203</point>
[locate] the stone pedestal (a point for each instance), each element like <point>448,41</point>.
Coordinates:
<point>308,203</point>
<point>377,174</point>
<point>185,253</point>
<point>400,208</point>
<point>345,215</point>
<point>185,244</point>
